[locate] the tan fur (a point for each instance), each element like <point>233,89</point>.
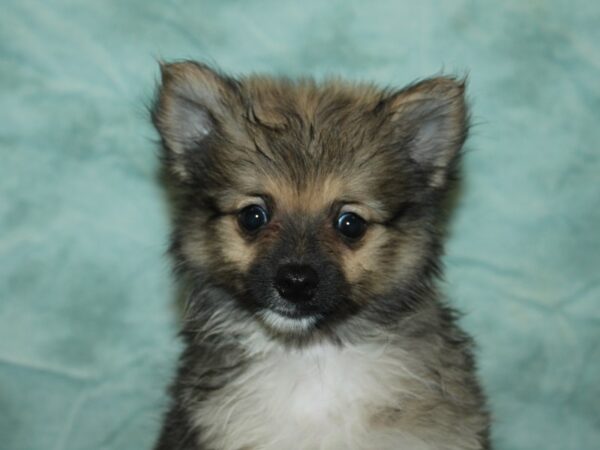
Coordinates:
<point>316,196</point>
<point>235,249</point>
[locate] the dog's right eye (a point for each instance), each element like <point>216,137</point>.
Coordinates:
<point>253,217</point>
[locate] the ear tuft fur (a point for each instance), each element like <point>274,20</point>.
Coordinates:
<point>432,117</point>
<point>191,101</point>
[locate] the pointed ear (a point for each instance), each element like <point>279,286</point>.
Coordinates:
<point>192,102</point>
<point>431,117</point>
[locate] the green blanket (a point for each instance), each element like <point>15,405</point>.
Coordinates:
<point>87,317</point>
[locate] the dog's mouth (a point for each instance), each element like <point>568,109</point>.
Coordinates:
<point>286,322</point>
<point>283,316</point>
<point>288,311</point>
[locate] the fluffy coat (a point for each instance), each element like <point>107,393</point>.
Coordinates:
<point>374,359</point>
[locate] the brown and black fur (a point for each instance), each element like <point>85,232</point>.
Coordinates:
<point>306,149</point>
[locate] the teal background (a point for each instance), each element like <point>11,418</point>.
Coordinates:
<point>87,322</point>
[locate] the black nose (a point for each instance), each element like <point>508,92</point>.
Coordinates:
<point>296,283</point>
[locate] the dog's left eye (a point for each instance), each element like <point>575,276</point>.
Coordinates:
<point>253,217</point>
<point>351,225</point>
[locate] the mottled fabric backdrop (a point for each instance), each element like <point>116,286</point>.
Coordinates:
<point>87,316</point>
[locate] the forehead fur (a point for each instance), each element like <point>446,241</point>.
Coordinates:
<point>313,126</point>
<point>311,144</point>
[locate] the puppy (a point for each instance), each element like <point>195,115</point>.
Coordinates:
<point>308,227</point>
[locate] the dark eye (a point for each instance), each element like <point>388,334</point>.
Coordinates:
<point>253,217</point>
<point>351,225</point>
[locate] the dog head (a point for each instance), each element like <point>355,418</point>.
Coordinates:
<point>307,202</point>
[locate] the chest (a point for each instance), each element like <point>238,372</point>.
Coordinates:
<point>325,397</point>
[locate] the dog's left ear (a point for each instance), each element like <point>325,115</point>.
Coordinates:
<point>430,121</point>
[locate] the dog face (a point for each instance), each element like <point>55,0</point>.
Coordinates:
<point>307,202</point>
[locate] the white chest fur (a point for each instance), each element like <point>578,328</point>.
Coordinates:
<point>325,397</point>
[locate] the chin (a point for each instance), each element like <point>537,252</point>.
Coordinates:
<point>293,325</point>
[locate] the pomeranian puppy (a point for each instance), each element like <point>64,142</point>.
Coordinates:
<point>308,225</point>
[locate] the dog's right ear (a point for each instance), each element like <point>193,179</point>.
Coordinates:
<point>194,103</point>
